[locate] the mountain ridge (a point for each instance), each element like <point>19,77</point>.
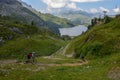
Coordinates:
<point>76,16</point>
<point>20,11</point>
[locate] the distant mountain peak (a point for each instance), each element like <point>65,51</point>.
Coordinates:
<point>76,16</point>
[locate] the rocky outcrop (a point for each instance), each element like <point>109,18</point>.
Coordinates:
<point>17,11</point>
<point>16,30</point>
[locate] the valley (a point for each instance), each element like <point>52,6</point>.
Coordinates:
<point>58,65</point>
<point>64,48</point>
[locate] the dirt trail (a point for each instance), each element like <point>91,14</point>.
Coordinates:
<point>64,64</point>
<point>7,62</point>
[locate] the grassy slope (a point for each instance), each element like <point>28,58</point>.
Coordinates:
<point>99,41</point>
<point>40,44</point>
<point>31,39</point>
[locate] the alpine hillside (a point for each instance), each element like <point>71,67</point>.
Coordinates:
<point>31,47</point>
<point>99,41</point>
<point>18,39</point>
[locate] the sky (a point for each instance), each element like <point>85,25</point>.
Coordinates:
<point>92,6</point>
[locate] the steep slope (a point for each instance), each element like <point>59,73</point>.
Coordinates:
<point>61,22</point>
<point>51,22</point>
<point>99,41</point>
<point>15,10</point>
<point>20,11</point>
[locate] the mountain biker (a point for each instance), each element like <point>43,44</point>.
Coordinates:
<point>82,57</point>
<point>31,57</point>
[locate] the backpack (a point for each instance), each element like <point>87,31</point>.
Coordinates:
<point>30,54</point>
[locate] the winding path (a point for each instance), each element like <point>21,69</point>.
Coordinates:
<point>7,62</point>
<point>64,64</point>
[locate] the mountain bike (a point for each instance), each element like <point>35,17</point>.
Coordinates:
<point>31,60</point>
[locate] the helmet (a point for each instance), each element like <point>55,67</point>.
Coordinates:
<point>33,52</point>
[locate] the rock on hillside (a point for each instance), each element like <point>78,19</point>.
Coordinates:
<point>15,10</point>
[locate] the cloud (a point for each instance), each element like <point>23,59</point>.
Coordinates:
<point>116,10</point>
<point>72,5</point>
<point>99,10</point>
<point>93,10</point>
<point>104,9</point>
<point>85,0</point>
<point>55,3</point>
<point>64,3</point>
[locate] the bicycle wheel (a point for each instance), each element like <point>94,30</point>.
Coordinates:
<point>34,60</point>
<point>24,59</point>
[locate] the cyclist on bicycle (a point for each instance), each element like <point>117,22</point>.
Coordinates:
<point>31,57</point>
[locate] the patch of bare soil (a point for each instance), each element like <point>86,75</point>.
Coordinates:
<point>114,73</point>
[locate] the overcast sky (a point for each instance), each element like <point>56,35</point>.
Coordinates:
<point>93,6</point>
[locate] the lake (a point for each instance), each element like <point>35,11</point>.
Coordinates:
<point>73,31</point>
